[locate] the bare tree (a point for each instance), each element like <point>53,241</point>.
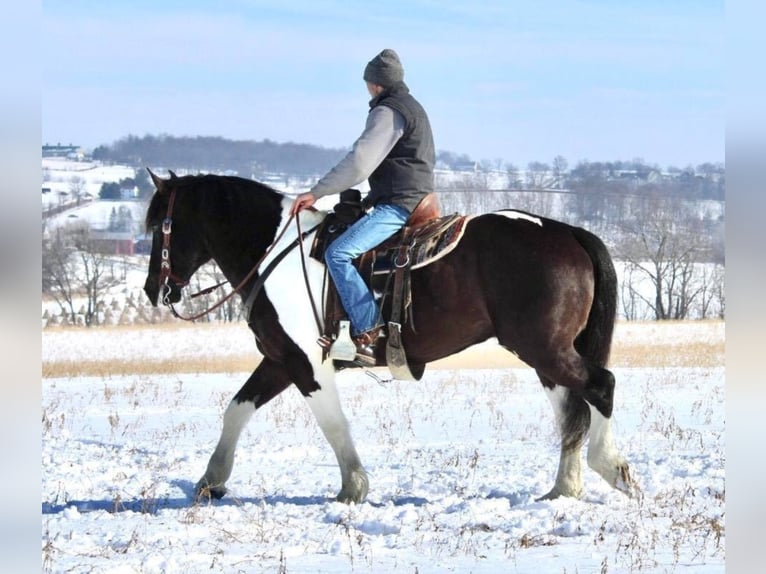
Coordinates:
<point>76,188</point>
<point>58,275</point>
<point>73,271</point>
<point>712,292</point>
<point>514,178</point>
<point>629,299</point>
<point>560,166</point>
<point>664,246</point>
<point>538,175</point>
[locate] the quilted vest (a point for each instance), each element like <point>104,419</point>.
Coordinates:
<point>406,175</point>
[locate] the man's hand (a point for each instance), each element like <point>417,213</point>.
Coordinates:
<point>303,201</point>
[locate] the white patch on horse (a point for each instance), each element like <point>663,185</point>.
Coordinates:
<point>221,463</point>
<point>602,454</point>
<point>569,475</point>
<point>286,287</point>
<point>511,214</point>
<point>326,407</point>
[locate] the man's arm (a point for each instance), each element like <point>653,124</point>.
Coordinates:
<point>383,129</point>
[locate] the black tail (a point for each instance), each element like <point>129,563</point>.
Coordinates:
<point>595,341</point>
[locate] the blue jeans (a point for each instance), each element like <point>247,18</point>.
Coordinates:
<point>374,228</point>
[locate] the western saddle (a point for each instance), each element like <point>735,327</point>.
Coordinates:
<point>425,237</point>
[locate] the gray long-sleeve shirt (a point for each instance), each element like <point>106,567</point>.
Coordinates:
<point>383,129</point>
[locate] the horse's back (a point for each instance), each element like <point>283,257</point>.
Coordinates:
<point>527,243</point>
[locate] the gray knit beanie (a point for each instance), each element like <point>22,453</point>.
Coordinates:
<point>385,69</point>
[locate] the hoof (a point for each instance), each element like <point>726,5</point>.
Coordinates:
<point>204,492</point>
<point>624,483</point>
<point>556,493</point>
<point>356,489</point>
<point>348,498</point>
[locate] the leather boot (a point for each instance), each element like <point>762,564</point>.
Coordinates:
<point>365,345</point>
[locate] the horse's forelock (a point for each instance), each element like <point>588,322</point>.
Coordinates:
<point>153,211</point>
<point>158,205</point>
<point>159,202</point>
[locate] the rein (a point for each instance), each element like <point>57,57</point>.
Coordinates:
<point>166,273</point>
<point>306,277</point>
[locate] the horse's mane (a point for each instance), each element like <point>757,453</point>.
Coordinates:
<point>194,183</point>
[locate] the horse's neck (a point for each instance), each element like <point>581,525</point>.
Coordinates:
<point>257,225</point>
<point>289,228</point>
<point>267,230</point>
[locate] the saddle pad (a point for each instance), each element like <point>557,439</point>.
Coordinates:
<point>429,246</point>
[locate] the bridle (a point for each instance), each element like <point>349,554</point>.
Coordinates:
<point>166,274</point>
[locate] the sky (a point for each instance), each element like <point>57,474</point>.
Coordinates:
<point>515,82</point>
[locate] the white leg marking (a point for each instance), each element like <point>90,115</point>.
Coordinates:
<point>603,456</point>
<point>325,405</point>
<point>221,462</point>
<point>569,475</point>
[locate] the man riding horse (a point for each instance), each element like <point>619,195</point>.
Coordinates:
<point>396,153</point>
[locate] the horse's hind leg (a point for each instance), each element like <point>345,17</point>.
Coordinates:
<point>603,456</point>
<point>594,387</point>
<point>572,419</point>
<point>325,405</point>
<point>267,381</point>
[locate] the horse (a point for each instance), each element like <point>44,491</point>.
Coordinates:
<point>546,290</point>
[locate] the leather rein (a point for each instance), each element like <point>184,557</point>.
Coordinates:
<point>166,273</point>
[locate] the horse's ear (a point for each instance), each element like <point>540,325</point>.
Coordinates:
<point>172,174</point>
<point>159,183</point>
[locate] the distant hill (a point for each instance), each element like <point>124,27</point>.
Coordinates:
<point>251,159</point>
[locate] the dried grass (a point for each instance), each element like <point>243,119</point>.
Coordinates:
<point>133,366</point>
<point>704,350</point>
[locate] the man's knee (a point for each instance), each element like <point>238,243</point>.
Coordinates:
<point>333,255</point>
<point>338,253</point>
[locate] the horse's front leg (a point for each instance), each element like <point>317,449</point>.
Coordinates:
<point>325,405</point>
<point>267,381</point>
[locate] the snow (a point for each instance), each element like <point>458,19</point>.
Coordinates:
<point>60,174</point>
<point>97,214</point>
<point>455,463</point>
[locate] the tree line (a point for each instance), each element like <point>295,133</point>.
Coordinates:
<point>249,159</point>
<point>594,181</point>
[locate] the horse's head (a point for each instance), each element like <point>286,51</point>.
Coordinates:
<point>177,248</point>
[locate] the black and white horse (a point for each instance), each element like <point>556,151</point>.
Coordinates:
<point>544,289</point>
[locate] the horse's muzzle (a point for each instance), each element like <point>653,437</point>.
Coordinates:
<point>169,293</point>
<point>165,294</point>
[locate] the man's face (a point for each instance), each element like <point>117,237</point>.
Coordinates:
<point>374,89</point>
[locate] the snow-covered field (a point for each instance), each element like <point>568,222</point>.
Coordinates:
<point>455,464</point>
<point>63,177</point>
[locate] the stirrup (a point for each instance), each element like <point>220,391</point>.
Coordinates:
<point>343,349</point>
